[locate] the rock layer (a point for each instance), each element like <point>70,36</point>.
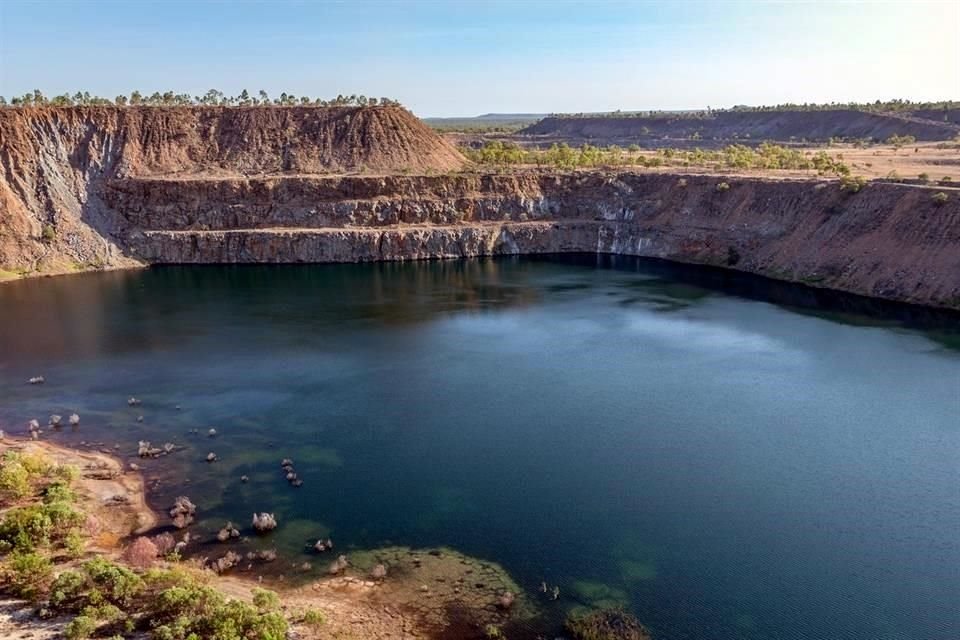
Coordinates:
<point>155,185</point>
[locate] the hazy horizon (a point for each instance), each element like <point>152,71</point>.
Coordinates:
<point>463,59</point>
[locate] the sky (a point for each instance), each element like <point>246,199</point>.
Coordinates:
<point>460,58</point>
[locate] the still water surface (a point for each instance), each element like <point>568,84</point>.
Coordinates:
<point>724,467</point>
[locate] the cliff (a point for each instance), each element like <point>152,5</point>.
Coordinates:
<point>124,196</point>
<point>55,160</point>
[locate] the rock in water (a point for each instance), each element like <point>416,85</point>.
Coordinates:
<point>264,522</point>
<point>131,401</point>
<point>74,419</point>
<point>182,512</point>
<point>227,532</point>
<point>55,420</point>
<point>37,380</point>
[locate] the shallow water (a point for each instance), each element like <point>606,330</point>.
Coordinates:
<point>725,467</point>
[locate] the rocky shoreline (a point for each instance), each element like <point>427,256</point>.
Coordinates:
<point>381,594</point>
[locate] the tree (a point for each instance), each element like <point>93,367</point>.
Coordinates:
<point>136,98</point>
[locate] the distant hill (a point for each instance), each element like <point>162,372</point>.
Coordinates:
<point>743,125</point>
<point>498,122</point>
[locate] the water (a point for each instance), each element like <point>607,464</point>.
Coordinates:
<point>723,466</point>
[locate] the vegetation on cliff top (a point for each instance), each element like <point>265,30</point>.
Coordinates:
<point>765,157</point>
<point>212,98</point>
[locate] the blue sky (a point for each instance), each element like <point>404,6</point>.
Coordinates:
<point>465,58</point>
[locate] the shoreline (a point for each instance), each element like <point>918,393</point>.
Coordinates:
<point>353,604</point>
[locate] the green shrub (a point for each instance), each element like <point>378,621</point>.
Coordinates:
<point>939,198</point>
<point>80,627</point>
<point>723,187</point>
<point>58,491</point>
<point>115,584</point>
<point>27,574</point>
<point>48,233</point>
<point>14,480</point>
<point>314,618</point>
<point>924,177</point>
<point>266,600</point>
<point>852,184</point>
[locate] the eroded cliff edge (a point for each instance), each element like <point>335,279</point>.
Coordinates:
<point>159,191</point>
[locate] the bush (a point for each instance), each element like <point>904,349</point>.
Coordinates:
<point>924,177</point>
<point>266,600</point>
<point>14,480</point>
<point>27,574</point>
<point>48,233</point>
<point>939,198</point>
<point>58,491</point>
<point>723,187</point>
<point>80,627</point>
<point>314,618</point>
<point>852,184</point>
<point>946,180</point>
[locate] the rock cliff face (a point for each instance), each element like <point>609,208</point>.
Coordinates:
<point>55,160</point>
<point>890,241</point>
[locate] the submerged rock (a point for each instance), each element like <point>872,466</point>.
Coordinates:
<point>506,600</point>
<point>183,512</point>
<point>264,522</point>
<point>265,555</point>
<point>146,450</point>
<point>379,571</point>
<point>607,624</point>
<point>323,545</point>
<point>228,561</point>
<point>227,532</point>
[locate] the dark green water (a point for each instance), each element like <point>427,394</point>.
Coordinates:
<point>725,467</point>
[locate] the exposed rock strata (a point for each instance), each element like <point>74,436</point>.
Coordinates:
<point>134,186</point>
<point>889,241</point>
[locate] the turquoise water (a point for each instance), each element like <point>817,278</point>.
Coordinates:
<point>638,434</point>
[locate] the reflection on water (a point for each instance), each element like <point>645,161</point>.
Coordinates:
<point>631,432</point>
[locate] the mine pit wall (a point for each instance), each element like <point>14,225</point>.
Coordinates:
<point>889,241</point>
